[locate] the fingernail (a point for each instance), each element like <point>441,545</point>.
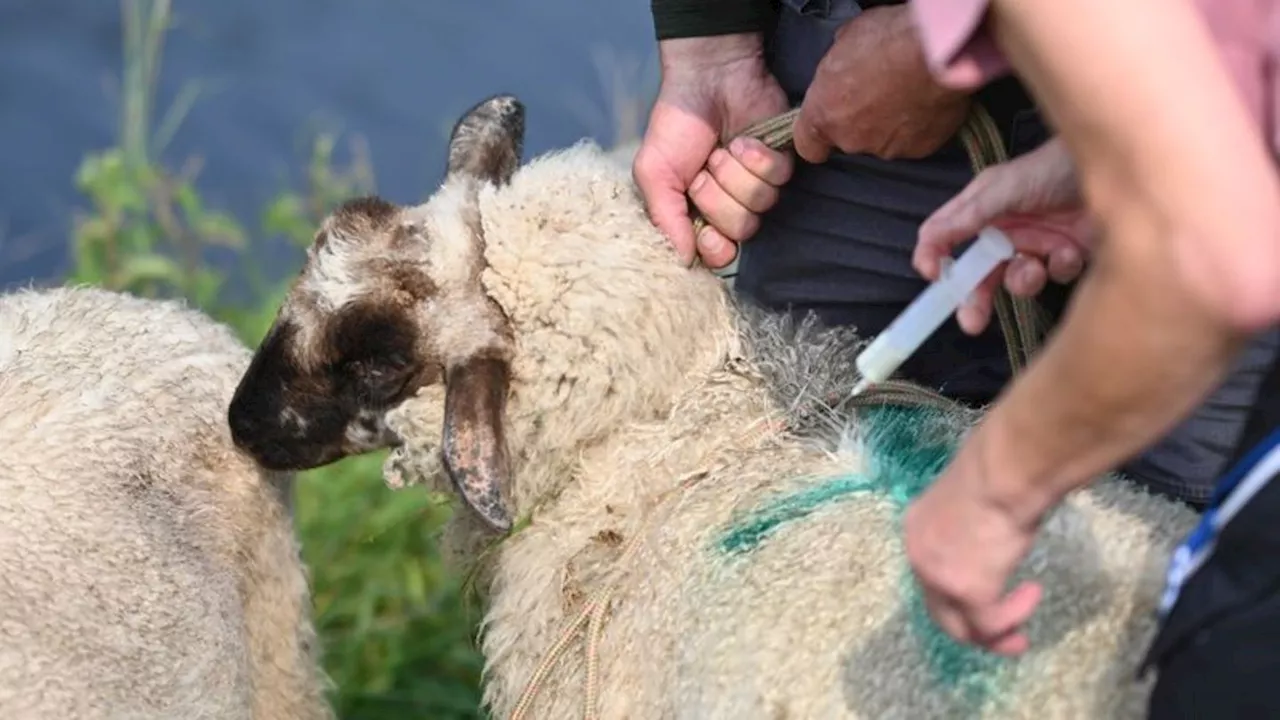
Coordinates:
<point>738,146</point>
<point>698,182</point>
<point>705,240</point>
<point>716,159</point>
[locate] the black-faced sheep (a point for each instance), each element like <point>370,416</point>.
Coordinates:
<point>148,568</point>
<point>678,484</point>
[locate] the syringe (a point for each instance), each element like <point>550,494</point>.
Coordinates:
<point>927,312</point>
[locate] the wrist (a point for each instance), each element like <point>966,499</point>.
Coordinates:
<point>896,35</point>
<point>698,55</point>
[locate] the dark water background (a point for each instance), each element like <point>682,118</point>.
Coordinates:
<point>396,72</point>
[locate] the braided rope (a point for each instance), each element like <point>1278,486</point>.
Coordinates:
<point>1019,323</point>
<point>595,609</point>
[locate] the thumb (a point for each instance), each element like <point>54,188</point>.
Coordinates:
<point>665,201</point>
<point>808,140</point>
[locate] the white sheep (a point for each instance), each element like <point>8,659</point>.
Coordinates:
<point>148,568</point>
<point>676,479</point>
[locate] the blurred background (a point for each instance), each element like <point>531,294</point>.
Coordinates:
<point>182,148</point>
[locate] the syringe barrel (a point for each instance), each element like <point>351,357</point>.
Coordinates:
<point>928,311</point>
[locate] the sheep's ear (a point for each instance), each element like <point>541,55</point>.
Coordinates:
<point>487,142</point>
<point>474,444</point>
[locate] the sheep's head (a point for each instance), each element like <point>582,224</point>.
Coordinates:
<point>389,301</point>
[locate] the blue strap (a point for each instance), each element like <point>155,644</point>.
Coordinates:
<point>1200,542</point>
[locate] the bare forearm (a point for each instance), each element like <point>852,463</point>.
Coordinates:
<point>1186,200</point>
<point>1157,127</point>
<point>1133,355</point>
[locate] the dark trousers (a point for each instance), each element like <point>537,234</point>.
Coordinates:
<point>839,242</point>
<point>1231,670</point>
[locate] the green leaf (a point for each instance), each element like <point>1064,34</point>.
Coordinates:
<point>205,285</point>
<point>218,229</point>
<point>286,216</point>
<point>149,266</point>
<point>185,195</point>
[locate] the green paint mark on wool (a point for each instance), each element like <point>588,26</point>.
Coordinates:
<point>749,533</point>
<point>906,448</point>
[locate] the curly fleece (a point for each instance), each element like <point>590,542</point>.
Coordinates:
<point>148,570</point>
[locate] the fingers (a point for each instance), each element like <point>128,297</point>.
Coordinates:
<point>721,209</point>
<point>751,172</point>
<point>947,616</point>
<point>1065,263</point>
<point>1025,276</point>
<point>1028,187</point>
<point>956,221</point>
<point>997,627</point>
<point>740,183</point>
<point>715,249</point>
<point>771,166</point>
<point>975,312</point>
<point>665,200</point>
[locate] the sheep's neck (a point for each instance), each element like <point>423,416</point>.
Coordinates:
<point>625,382</point>
<point>642,459</point>
<point>610,328</point>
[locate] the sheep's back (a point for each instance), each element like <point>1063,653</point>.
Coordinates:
<point>118,595</point>
<point>776,586</point>
<point>797,601</point>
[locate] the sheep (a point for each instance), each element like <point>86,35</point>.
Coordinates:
<point>642,455</point>
<point>148,568</point>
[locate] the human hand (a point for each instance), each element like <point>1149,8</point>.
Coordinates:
<point>963,545</point>
<point>711,88</point>
<point>1036,201</point>
<point>873,93</point>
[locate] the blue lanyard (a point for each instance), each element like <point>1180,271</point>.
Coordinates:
<point>1248,477</point>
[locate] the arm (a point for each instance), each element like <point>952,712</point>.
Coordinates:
<point>694,35</point>
<point>1187,265</point>
<point>678,19</point>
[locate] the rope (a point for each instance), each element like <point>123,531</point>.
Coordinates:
<point>595,609</point>
<point>592,616</point>
<point>1019,323</point>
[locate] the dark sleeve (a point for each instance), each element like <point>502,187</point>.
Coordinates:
<point>701,18</point>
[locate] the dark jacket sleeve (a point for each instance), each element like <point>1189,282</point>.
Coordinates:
<point>702,18</point>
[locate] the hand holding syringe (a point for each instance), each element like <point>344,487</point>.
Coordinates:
<point>931,308</point>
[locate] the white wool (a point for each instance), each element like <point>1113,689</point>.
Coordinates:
<point>147,568</point>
